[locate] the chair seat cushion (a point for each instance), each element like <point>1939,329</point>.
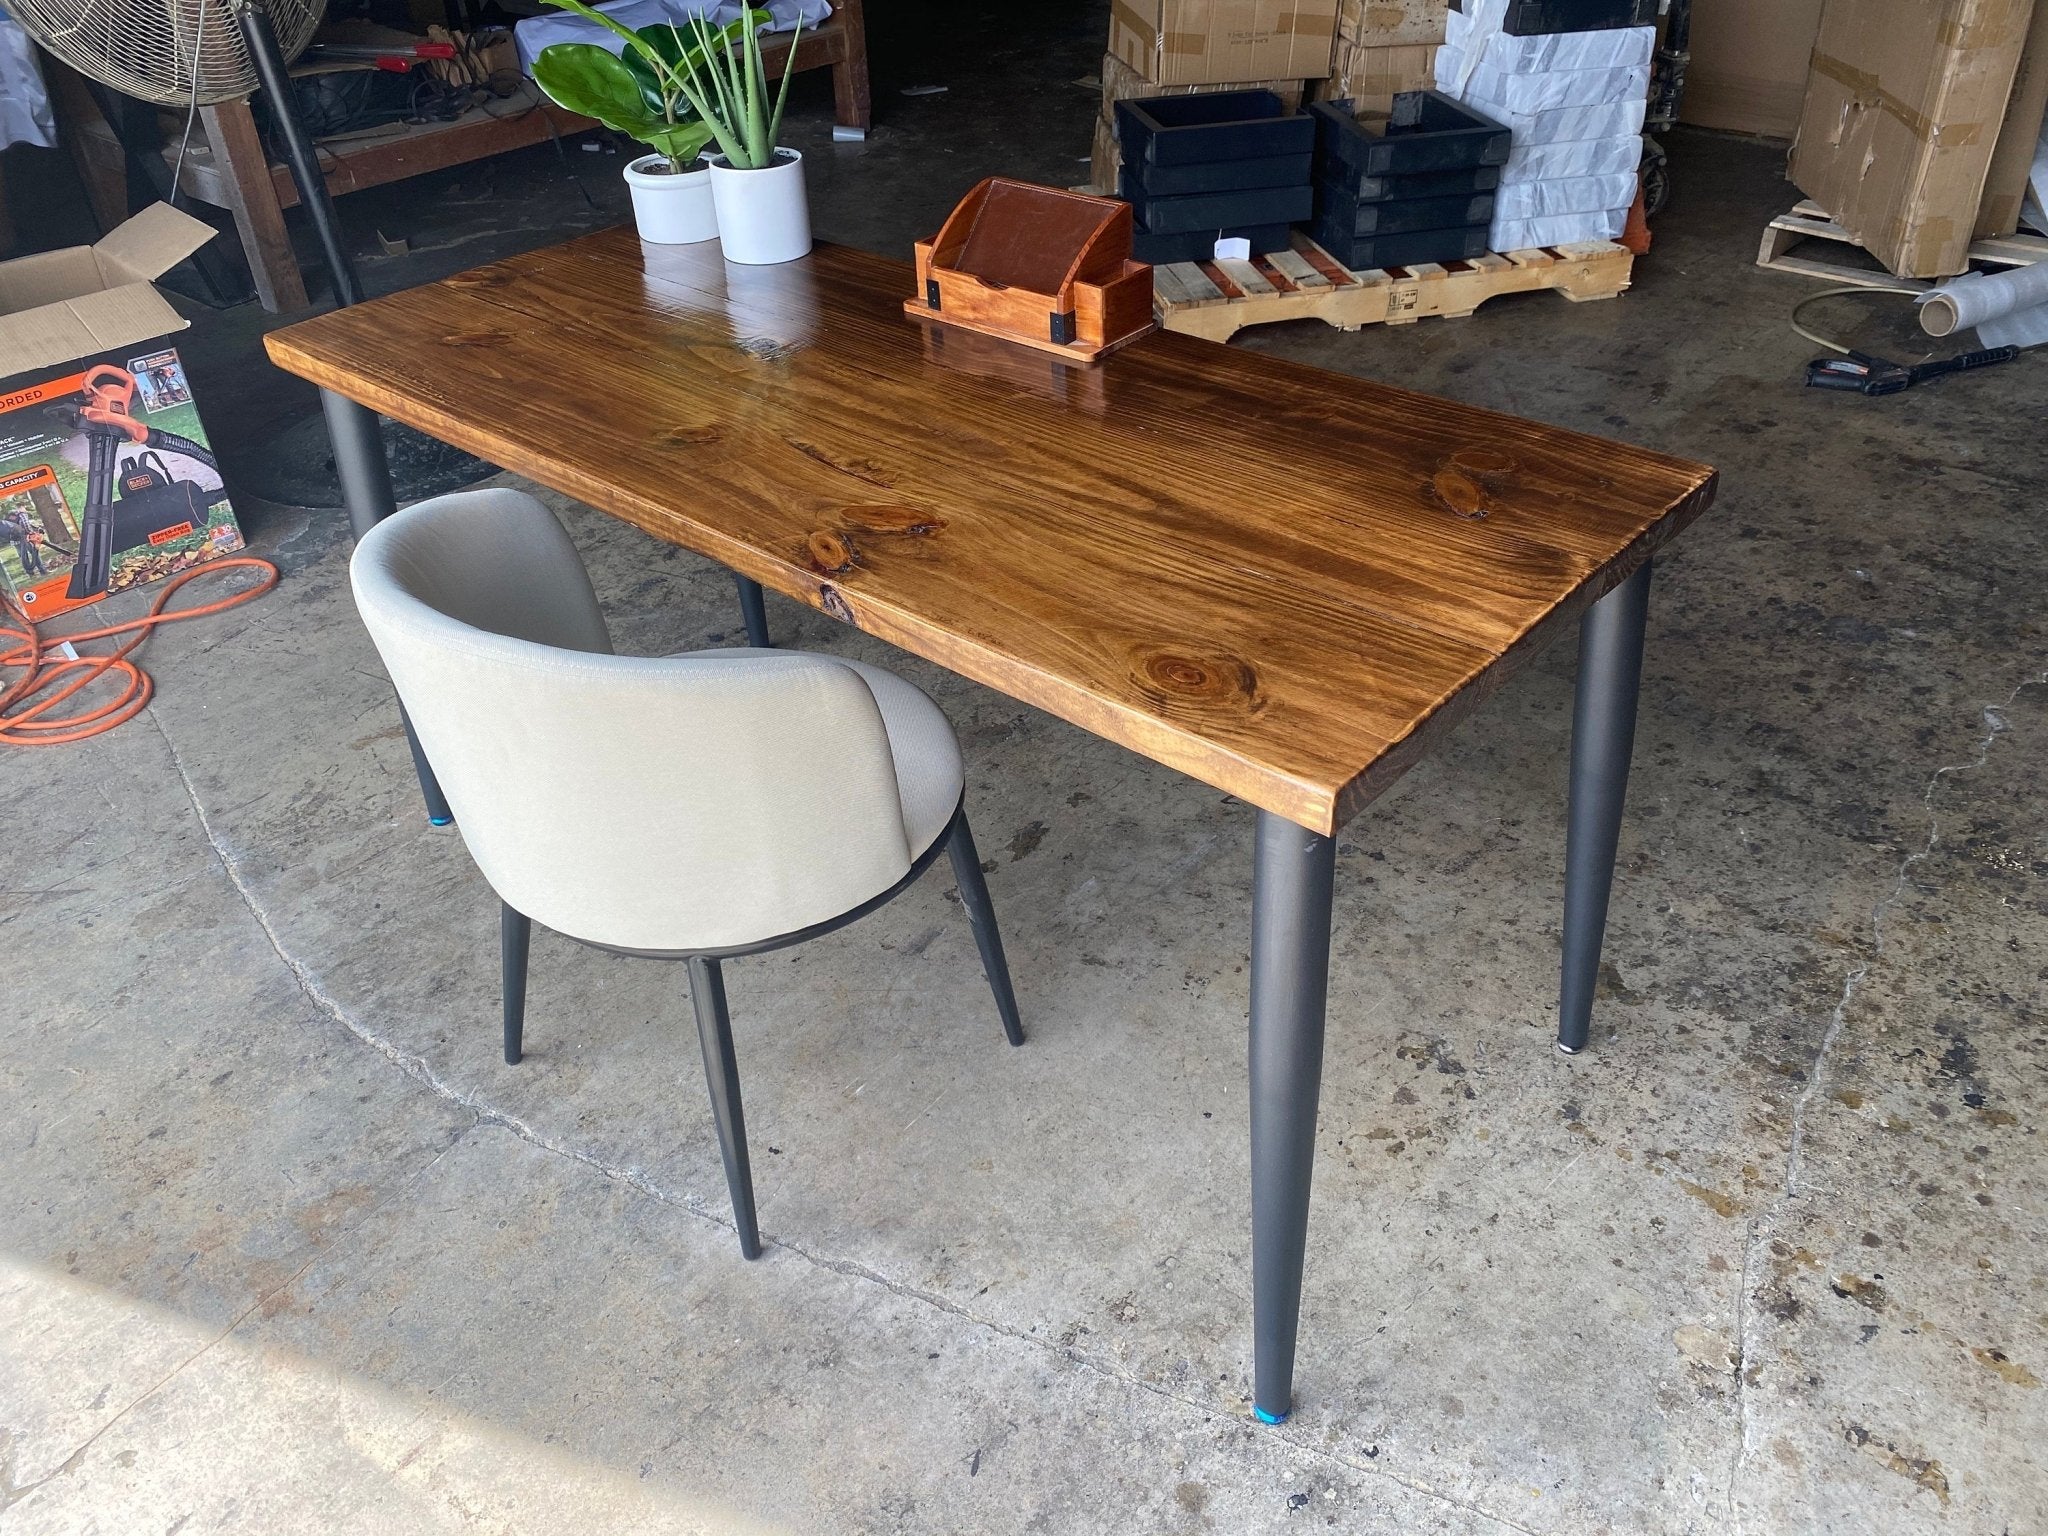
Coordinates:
<point>929,774</point>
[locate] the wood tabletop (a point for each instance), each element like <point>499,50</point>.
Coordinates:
<point>1283,582</point>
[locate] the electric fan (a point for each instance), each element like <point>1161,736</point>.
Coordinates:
<point>189,53</point>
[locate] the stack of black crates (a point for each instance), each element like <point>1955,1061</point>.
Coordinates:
<point>1411,187</point>
<point>1197,169</point>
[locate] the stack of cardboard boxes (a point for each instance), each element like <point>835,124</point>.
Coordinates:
<point>1196,47</point>
<point>1570,79</point>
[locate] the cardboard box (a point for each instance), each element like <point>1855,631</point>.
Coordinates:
<point>107,480</point>
<point>1374,76</point>
<point>1206,42</point>
<point>1749,65</point>
<point>1902,113</point>
<point>1391,23</point>
<point>2012,162</point>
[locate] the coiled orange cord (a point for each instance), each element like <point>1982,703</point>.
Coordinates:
<point>32,726</point>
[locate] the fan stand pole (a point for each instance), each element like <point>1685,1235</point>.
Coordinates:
<point>260,38</point>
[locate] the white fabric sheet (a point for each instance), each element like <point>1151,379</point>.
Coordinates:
<point>25,116</point>
<point>537,32</point>
<point>1543,92</point>
<point>1569,194</point>
<point>1558,229</point>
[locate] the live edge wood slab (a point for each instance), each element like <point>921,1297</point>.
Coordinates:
<point>1283,582</point>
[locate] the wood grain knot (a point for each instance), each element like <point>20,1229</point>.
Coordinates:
<point>480,277</point>
<point>485,337</point>
<point>1459,492</point>
<point>831,552</point>
<point>860,469</point>
<point>887,517</point>
<point>1173,679</point>
<point>832,602</point>
<point>1483,463</point>
<point>694,436</point>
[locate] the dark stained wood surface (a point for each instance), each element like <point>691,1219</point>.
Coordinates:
<point>1283,582</point>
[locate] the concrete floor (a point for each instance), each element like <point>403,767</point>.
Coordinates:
<point>283,1246</point>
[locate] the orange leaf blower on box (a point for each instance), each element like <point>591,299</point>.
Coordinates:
<point>152,506</point>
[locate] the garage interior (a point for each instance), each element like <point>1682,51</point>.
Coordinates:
<point>285,1245</point>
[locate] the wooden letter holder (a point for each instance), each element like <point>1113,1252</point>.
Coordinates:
<point>1036,265</point>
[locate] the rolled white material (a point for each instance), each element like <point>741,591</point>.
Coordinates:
<point>2007,309</point>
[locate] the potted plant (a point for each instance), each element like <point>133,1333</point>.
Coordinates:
<point>639,93</point>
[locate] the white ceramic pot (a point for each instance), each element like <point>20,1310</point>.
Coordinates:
<point>671,209</point>
<point>763,216</point>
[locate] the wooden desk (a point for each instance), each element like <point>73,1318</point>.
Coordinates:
<point>1285,583</point>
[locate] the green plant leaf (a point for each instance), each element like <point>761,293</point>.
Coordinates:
<point>597,83</point>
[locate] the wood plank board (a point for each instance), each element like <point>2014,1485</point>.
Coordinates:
<point>1808,222</point>
<point>1282,582</point>
<point>1351,299</point>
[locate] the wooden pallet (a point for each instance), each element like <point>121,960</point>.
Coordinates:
<point>1810,221</point>
<point>1215,299</point>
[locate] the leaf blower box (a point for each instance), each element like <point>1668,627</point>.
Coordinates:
<point>107,480</point>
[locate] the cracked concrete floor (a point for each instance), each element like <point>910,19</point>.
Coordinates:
<point>284,1246</point>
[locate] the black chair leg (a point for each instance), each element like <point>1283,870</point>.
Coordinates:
<point>982,913</point>
<point>754,611</point>
<point>515,936</point>
<point>722,1076</point>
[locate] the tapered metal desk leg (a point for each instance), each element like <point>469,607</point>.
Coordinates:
<point>753,609</point>
<point>1603,737</point>
<point>1290,982</point>
<point>365,476</point>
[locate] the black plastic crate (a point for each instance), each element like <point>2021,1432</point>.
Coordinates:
<point>1146,180</point>
<point>1224,125</point>
<point>1427,131</point>
<point>1221,210</point>
<point>1375,189</point>
<point>1402,216</point>
<point>1362,252</point>
<point>1526,18</point>
<point>1201,245</point>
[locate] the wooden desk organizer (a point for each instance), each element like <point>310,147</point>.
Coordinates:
<point>1036,265</point>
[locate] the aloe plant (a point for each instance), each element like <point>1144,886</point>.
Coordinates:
<point>676,89</point>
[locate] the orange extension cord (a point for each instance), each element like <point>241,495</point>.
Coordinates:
<point>31,726</point>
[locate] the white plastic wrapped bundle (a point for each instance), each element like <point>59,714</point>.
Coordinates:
<point>1538,92</point>
<point>1558,229</point>
<point>1574,157</point>
<point>1569,194</point>
<point>1614,48</point>
<point>2008,309</point>
<point>1564,125</point>
<point>25,116</point>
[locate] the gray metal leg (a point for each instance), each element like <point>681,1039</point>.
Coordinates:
<point>1293,876</point>
<point>982,913</point>
<point>1603,736</point>
<point>365,475</point>
<point>722,1076</point>
<point>754,609</point>
<point>515,938</point>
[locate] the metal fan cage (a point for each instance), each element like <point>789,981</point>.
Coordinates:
<point>169,51</point>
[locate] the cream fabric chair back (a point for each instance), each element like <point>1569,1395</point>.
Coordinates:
<point>678,803</point>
